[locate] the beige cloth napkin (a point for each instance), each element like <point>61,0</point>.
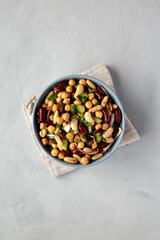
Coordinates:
<point>101,72</point>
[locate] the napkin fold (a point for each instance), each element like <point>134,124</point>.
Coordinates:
<point>101,72</point>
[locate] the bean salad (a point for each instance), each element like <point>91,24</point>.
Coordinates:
<point>79,121</point>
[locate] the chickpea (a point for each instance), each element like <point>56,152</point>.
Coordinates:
<point>107,106</point>
<point>105,126</point>
<point>45,141</point>
<point>60,94</point>
<point>66,101</point>
<point>90,96</point>
<point>59,99</point>
<point>109,112</point>
<point>64,95</point>
<point>77,102</point>
<point>77,139</point>
<point>54,145</point>
<point>43,133</point>
<point>72,146</point>
<point>83,138</point>
<point>50,142</point>
<point>84,160</point>
<point>50,103</point>
<point>94,101</point>
<point>81,145</point>
<point>51,117</point>
<point>114,106</point>
<point>98,125</point>
<point>99,114</point>
<point>88,104</point>
<point>66,117</point>
<point>72,82</point>
<point>69,89</point>
<point>60,120</point>
<point>90,143</point>
<point>68,108</point>
<point>44,105</point>
<point>42,126</point>
<point>61,155</point>
<point>54,152</point>
<point>55,107</point>
<point>70,136</point>
<point>94,145</point>
<point>82,82</point>
<point>51,129</point>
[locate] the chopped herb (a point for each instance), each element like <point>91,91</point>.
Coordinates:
<point>53,97</point>
<point>38,118</point>
<point>60,130</point>
<point>74,119</point>
<point>87,141</point>
<point>75,86</point>
<point>103,139</point>
<point>77,140</point>
<point>84,98</point>
<point>97,103</point>
<point>79,96</point>
<point>83,137</point>
<point>87,124</point>
<point>54,141</point>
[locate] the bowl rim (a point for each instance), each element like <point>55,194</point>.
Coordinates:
<point>110,92</point>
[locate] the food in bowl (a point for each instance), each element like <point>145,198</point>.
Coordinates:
<point>79,121</point>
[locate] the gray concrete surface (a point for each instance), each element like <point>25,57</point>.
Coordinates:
<point>41,40</point>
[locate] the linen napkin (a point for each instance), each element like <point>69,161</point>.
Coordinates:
<point>101,72</point>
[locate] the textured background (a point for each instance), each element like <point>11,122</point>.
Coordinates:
<point>45,39</point>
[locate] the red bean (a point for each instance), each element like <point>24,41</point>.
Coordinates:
<point>60,86</point>
<point>118,115</point>
<point>99,95</point>
<point>101,145</point>
<point>83,129</point>
<point>105,115</point>
<point>42,114</point>
<point>72,96</point>
<point>68,152</point>
<point>62,134</point>
<point>76,151</point>
<point>47,124</point>
<point>60,107</point>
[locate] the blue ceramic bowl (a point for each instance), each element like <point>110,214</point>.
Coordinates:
<point>41,100</point>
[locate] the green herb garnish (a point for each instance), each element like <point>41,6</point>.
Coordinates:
<point>74,119</point>
<point>53,97</point>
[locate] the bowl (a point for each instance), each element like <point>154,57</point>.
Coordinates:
<point>40,100</point>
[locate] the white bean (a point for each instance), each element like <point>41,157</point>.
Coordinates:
<point>79,90</point>
<point>88,117</point>
<point>74,125</point>
<point>91,84</point>
<point>104,101</point>
<point>77,157</point>
<point>96,108</point>
<point>108,132</point>
<point>58,140</point>
<point>97,156</point>
<point>49,95</point>
<point>56,115</point>
<point>70,160</point>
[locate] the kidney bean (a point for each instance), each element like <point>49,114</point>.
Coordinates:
<point>68,152</point>
<point>62,134</point>
<point>100,88</point>
<point>105,115</point>
<point>101,145</point>
<point>83,129</point>
<point>42,114</point>
<point>118,115</point>
<point>47,124</point>
<point>76,151</point>
<point>60,86</point>
<point>60,107</point>
<point>99,95</point>
<point>73,96</point>
<point>115,131</point>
